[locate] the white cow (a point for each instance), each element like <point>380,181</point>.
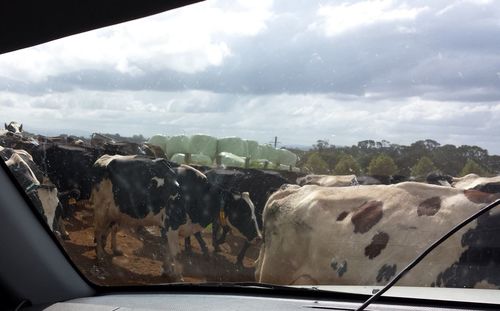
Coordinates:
<point>365,235</point>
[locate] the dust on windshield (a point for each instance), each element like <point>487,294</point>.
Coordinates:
<point>278,142</point>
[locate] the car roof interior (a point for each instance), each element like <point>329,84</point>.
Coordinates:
<point>28,23</point>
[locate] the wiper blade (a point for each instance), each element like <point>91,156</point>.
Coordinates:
<point>243,285</point>
<point>271,286</point>
<point>426,252</point>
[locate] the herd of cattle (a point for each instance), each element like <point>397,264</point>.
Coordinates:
<point>313,229</point>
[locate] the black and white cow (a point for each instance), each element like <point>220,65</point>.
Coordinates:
<point>259,184</point>
<point>70,169</point>
<point>138,191</point>
<point>14,127</point>
<point>208,202</point>
<point>37,186</point>
<point>365,235</point>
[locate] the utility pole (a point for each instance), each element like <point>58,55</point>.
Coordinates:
<point>275,143</point>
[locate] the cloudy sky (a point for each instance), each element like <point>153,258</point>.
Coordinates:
<point>299,70</point>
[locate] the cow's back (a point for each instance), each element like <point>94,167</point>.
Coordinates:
<point>135,184</point>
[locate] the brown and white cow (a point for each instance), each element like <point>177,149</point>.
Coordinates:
<point>328,180</point>
<point>365,235</point>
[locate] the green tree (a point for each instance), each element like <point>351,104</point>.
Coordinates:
<point>321,144</point>
<point>347,165</point>
<point>423,167</point>
<point>382,165</point>
<point>472,167</point>
<point>316,164</point>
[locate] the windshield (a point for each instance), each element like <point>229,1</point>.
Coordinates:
<point>284,142</point>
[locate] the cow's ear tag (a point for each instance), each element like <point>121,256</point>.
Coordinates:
<point>72,201</point>
<point>222,218</point>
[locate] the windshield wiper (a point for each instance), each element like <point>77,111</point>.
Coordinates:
<point>426,252</point>
<point>245,285</point>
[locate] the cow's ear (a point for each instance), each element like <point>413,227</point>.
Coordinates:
<point>21,128</point>
<point>6,126</point>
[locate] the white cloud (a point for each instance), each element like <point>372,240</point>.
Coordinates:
<point>257,117</point>
<point>339,18</point>
<point>188,40</point>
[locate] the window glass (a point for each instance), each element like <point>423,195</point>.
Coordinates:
<point>286,142</point>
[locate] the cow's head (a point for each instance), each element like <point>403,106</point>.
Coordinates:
<point>14,127</point>
<point>240,215</point>
<point>165,188</point>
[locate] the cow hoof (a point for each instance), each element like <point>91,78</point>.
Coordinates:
<point>65,236</point>
<point>173,278</point>
<point>99,272</point>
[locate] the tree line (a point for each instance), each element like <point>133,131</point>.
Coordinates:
<point>422,157</point>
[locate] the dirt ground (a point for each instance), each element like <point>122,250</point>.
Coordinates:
<point>141,259</point>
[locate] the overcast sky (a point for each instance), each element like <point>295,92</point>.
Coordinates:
<point>300,70</point>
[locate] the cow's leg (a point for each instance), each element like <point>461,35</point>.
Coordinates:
<point>215,240</point>
<point>171,267</point>
<point>215,228</point>
<point>100,236</point>
<point>187,245</point>
<point>241,255</point>
<point>62,229</point>
<point>58,226</point>
<point>114,231</point>
<point>202,243</point>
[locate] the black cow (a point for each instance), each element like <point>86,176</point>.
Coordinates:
<point>258,183</point>
<point>37,186</point>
